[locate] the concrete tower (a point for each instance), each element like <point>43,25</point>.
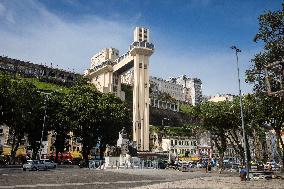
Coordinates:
<point>106,70</point>
<point>141,51</point>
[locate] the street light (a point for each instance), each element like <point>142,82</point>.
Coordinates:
<point>242,116</point>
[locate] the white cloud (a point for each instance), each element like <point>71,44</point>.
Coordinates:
<point>42,37</point>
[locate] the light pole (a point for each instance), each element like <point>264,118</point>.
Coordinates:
<point>44,120</point>
<point>242,115</point>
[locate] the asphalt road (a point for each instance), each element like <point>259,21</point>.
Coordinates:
<point>89,178</point>
<point>74,177</point>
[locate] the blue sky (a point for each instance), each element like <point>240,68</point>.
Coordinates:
<point>191,37</point>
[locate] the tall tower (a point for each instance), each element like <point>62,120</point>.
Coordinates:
<point>106,70</point>
<point>141,50</point>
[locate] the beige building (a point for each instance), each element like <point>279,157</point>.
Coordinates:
<point>221,97</point>
<point>169,87</point>
<point>192,89</point>
<point>174,145</point>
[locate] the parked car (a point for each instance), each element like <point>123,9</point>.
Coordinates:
<point>34,165</point>
<point>49,163</point>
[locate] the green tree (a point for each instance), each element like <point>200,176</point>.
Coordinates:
<point>271,34</point>
<point>82,108</point>
<point>58,120</point>
<point>114,115</point>
<point>23,98</point>
<point>5,98</point>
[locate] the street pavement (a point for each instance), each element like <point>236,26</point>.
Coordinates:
<point>74,177</point>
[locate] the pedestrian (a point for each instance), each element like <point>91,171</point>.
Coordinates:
<point>206,166</point>
<point>176,164</point>
<point>209,166</point>
<point>269,167</point>
<point>243,174</point>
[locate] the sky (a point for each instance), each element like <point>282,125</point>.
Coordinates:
<point>191,37</point>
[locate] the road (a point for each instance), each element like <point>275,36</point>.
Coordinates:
<point>91,178</point>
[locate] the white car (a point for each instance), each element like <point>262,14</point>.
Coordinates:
<point>34,165</point>
<point>49,163</point>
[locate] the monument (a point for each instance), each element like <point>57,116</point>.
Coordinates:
<point>105,72</point>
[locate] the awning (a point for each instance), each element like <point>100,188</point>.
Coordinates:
<point>6,150</point>
<point>20,152</point>
<point>76,154</point>
<point>63,156</point>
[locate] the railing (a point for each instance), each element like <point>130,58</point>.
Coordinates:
<point>143,44</point>
<point>122,57</point>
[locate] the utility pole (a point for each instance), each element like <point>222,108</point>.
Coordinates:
<point>242,115</point>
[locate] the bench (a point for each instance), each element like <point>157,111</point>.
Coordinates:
<point>261,175</point>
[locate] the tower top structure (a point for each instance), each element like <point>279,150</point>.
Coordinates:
<point>141,34</point>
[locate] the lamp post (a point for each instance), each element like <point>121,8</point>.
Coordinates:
<point>242,115</point>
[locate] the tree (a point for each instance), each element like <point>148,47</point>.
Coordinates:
<point>82,108</point>
<point>113,116</point>
<point>5,100</point>
<point>58,120</point>
<point>23,104</point>
<point>271,34</point>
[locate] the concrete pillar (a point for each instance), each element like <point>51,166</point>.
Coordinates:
<point>141,98</point>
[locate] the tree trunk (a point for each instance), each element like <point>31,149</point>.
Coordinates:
<point>221,166</point>
<point>85,152</point>
<point>102,150</point>
<point>278,134</point>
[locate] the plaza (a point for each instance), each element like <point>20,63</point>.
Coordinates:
<point>85,103</point>
<point>74,177</point>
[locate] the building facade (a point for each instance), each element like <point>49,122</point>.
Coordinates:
<point>159,85</point>
<point>192,89</point>
<point>221,97</point>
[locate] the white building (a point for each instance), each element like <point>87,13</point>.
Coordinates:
<point>107,54</point>
<point>221,97</point>
<point>169,87</point>
<point>192,89</point>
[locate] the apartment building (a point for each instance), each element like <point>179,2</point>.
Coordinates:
<point>192,89</point>
<point>221,97</point>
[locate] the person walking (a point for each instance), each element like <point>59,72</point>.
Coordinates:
<point>209,166</point>
<point>243,174</point>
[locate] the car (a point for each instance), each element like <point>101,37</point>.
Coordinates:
<point>34,165</point>
<point>49,163</point>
